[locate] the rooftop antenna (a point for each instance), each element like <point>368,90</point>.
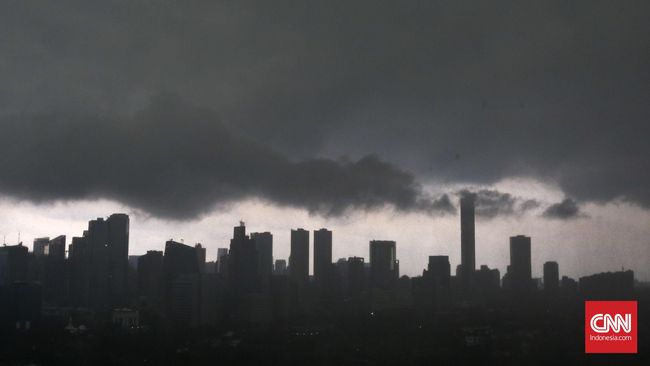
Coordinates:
<point>19,237</point>
<point>241,222</point>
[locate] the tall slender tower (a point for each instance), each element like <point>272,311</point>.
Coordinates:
<point>467,239</point>
<point>322,254</point>
<point>299,257</point>
<point>118,258</point>
<point>264,247</point>
<point>520,266</point>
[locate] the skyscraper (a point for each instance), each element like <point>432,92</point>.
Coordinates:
<point>179,259</point>
<point>118,257</point>
<point>322,254</point>
<point>222,257</point>
<point>200,256</point>
<point>98,268</point>
<point>150,277</point>
<point>299,257</point>
<point>13,264</point>
<point>467,239</point>
<point>519,271</point>
<point>264,247</point>
<point>40,246</point>
<point>242,262</point>
<point>383,263</point>
<point>439,268</point>
<point>56,248</point>
<point>79,263</point>
<point>551,276</point>
<point>356,276</point>
<point>432,291</point>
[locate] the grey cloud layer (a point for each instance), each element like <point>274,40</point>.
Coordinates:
<point>492,203</point>
<point>461,92</point>
<point>566,209</point>
<point>176,161</point>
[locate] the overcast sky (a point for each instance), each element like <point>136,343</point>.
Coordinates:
<point>367,117</point>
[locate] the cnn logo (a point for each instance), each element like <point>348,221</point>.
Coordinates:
<point>610,327</point>
<point>604,323</point>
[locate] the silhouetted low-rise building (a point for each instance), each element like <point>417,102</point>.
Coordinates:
<point>551,276</point>
<point>519,271</point>
<point>486,285</point>
<point>608,286</point>
<point>280,267</point>
<point>569,286</point>
<point>384,268</point>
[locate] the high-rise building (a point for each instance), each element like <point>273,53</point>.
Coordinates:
<point>200,256</point>
<point>299,257</point>
<point>222,255</point>
<point>519,271</point>
<point>467,239</point>
<point>118,258</point>
<point>40,246</point>
<point>440,269</point>
<point>242,262</point>
<point>133,262</point>
<point>98,272</point>
<point>384,268</point>
<point>264,247</point>
<point>48,267</point>
<point>79,263</point>
<point>56,248</point>
<point>551,276</point>
<point>150,277</point>
<point>179,259</point>
<point>435,285</point>
<point>356,276</point>
<point>13,263</point>
<point>322,254</point>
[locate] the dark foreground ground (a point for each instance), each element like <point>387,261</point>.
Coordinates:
<point>460,336</point>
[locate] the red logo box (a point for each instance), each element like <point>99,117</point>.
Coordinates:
<point>610,327</point>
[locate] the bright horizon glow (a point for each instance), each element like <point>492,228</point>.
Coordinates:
<point>613,236</point>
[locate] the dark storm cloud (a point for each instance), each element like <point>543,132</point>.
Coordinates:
<point>176,161</point>
<point>492,203</point>
<point>565,210</point>
<point>440,206</point>
<point>454,91</point>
